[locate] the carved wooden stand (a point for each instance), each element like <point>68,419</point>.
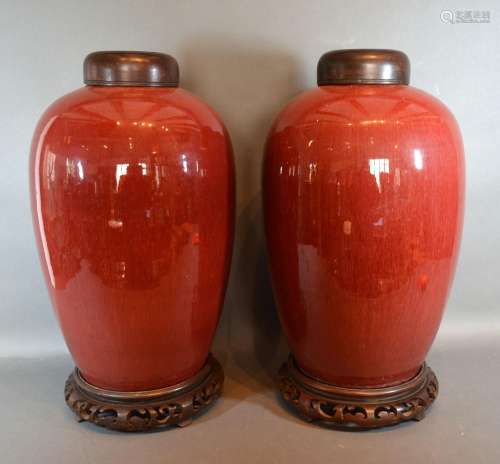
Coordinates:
<point>147,410</point>
<point>350,408</point>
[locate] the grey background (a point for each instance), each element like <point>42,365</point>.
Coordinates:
<point>247,60</point>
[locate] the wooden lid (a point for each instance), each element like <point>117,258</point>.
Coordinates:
<point>363,66</point>
<point>125,68</point>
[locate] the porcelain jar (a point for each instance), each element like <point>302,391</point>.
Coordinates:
<point>363,200</point>
<point>132,189</point>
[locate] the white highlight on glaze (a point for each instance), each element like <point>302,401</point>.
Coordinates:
<point>38,199</point>
<point>184,163</point>
<point>312,172</point>
<point>80,169</point>
<point>418,159</point>
<point>121,170</point>
<point>377,166</point>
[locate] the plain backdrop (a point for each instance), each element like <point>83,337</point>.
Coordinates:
<point>247,60</point>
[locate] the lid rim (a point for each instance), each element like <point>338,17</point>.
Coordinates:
<point>100,83</point>
<point>363,81</point>
<point>363,66</point>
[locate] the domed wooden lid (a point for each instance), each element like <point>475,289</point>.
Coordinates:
<point>122,68</point>
<point>363,66</point>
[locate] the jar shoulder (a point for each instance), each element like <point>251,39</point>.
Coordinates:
<point>138,118</point>
<point>141,106</point>
<point>360,106</point>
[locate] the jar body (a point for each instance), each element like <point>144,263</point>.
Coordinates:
<point>132,194</point>
<point>363,201</point>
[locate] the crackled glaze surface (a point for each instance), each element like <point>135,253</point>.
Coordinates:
<point>133,198</point>
<point>364,191</point>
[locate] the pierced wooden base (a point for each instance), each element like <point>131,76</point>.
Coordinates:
<point>350,408</point>
<point>145,410</point>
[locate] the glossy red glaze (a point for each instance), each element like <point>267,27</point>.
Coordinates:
<point>133,205</point>
<point>363,197</point>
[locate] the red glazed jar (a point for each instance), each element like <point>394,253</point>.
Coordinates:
<point>132,187</point>
<point>363,199</point>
